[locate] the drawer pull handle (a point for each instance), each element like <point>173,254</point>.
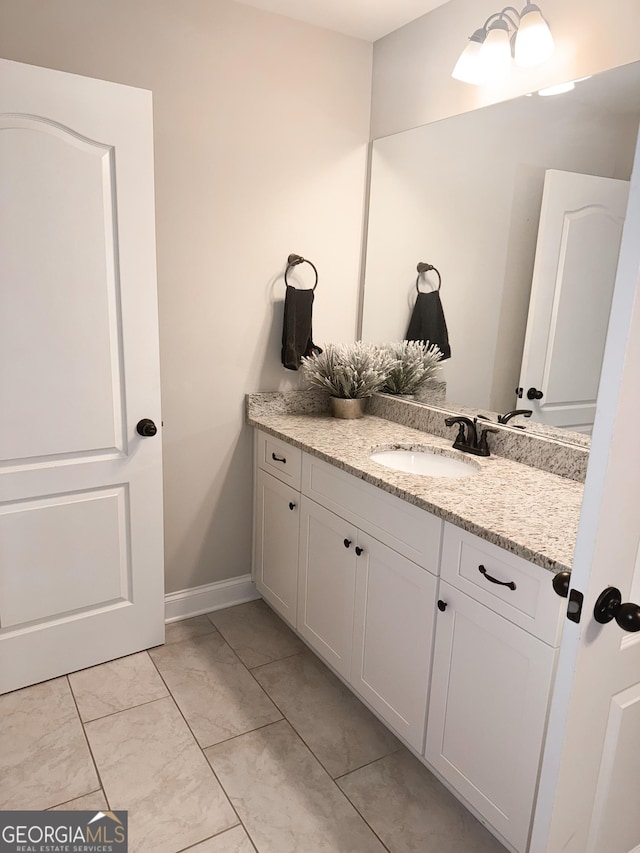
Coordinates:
<point>292,505</point>
<point>278,458</point>
<point>347,543</point>
<point>359,550</point>
<point>483,571</point>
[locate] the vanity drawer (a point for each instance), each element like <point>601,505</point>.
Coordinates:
<point>504,582</point>
<point>407,529</point>
<point>279,459</point>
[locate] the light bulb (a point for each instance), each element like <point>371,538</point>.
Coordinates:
<point>534,42</point>
<point>496,53</point>
<point>469,67</point>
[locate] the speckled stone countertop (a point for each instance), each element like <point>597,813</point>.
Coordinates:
<point>529,512</point>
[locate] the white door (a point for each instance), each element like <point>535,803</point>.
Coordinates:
<point>393,636</point>
<point>588,799</point>
<point>276,544</point>
<point>81,553</point>
<point>487,711</point>
<point>326,591</point>
<point>581,221</point>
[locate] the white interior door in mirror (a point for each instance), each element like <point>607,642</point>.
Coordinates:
<point>579,236</point>
<point>81,554</point>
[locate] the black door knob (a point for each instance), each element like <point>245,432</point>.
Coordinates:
<point>146,428</point>
<point>534,394</point>
<point>609,606</point>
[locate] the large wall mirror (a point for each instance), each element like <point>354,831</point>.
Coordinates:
<point>465,194</point>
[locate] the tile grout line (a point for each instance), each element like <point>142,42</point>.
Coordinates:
<point>86,737</point>
<point>215,776</point>
<point>338,788</point>
<point>217,835</point>
<point>64,802</point>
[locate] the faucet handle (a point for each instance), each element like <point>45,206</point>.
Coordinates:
<point>483,444</point>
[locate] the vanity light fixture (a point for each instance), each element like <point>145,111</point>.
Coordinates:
<point>524,35</point>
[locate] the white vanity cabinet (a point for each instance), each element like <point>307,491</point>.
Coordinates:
<point>492,674</point>
<point>460,666</point>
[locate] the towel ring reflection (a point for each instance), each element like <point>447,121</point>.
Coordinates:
<point>293,261</point>
<point>423,268</point>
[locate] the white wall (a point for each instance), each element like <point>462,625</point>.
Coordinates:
<point>261,125</point>
<point>412,82</point>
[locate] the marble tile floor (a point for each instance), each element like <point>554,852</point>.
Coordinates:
<point>230,738</point>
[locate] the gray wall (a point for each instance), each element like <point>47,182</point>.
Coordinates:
<point>261,125</point>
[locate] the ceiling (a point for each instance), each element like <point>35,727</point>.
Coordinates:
<point>364,19</point>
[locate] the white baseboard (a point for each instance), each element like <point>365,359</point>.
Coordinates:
<point>211,596</point>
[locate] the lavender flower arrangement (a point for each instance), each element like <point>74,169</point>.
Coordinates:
<point>349,371</point>
<point>414,363</point>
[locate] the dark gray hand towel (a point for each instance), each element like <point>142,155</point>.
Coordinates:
<point>296,329</point>
<point>427,322</point>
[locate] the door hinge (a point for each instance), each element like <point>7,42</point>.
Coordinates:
<point>574,607</point>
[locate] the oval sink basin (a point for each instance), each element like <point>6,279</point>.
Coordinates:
<point>424,461</point>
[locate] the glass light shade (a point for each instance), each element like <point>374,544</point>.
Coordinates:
<point>469,67</point>
<point>534,42</point>
<point>496,54</point>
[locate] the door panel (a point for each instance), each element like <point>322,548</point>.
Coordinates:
<point>487,711</point>
<point>63,553</point>
<point>393,637</point>
<point>327,584</point>
<point>581,221</point>
<point>276,546</point>
<point>81,552</point>
<point>59,331</point>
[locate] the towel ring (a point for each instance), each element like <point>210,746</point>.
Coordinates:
<point>422,268</point>
<point>293,261</point>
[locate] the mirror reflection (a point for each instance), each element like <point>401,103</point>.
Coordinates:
<point>520,207</point>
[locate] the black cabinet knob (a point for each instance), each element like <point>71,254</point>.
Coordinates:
<point>292,505</point>
<point>534,394</point>
<point>560,583</point>
<point>442,605</point>
<point>359,550</point>
<point>347,543</point>
<point>146,428</point>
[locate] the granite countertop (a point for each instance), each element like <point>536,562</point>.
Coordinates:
<point>527,511</point>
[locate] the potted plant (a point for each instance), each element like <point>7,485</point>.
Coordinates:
<point>350,373</point>
<point>414,364</point>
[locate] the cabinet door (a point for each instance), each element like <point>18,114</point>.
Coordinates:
<point>487,712</point>
<point>276,544</point>
<point>327,584</point>
<point>393,636</point>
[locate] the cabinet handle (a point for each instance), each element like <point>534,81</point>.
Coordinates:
<point>483,571</point>
<point>359,550</point>
<point>347,543</point>
<point>292,505</point>
<point>278,458</point>
<point>442,605</point>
